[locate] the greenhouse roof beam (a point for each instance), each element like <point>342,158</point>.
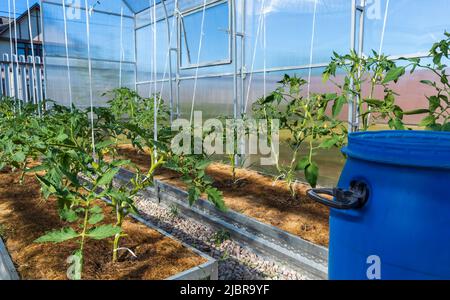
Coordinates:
<point>136,6</point>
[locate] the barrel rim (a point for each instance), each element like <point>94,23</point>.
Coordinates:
<point>428,149</point>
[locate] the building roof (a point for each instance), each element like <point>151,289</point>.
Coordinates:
<point>4,28</point>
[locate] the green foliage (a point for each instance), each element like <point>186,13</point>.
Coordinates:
<point>362,77</point>
<point>220,237</point>
<point>103,232</point>
<point>58,236</point>
<point>78,161</point>
<point>18,140</point>
<point>438,112</point>
<point>174,211</point>
<point>193,170</point>
<point>234,159</point>
<point>137,116</point>
<point>61,139</point>
<point>306,120</point>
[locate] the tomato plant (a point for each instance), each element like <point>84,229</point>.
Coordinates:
<point>18,134</point>
<point>362,76</point>
<point>136,115</point>
<point>193,171</point>
<point>306,120</point>
<point>438,111</point>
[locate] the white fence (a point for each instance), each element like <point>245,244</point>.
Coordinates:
<point>22,78</point>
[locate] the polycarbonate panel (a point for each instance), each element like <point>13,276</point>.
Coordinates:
<point>411,93</point>
<point>187,5</point>
<point>330,161</point>
<point>207,45</point>
<point>214,97</point>
<point>140,5</point>
<point>332,29</point>
<point>411,25</point>
<point>258,85</point>
<point>146,17</point>
<point>105,77</point>
<point>287,33</point>
<point>110,6</point>
<point>146,50</point>
<point>104,30</point>
<point>162,88</point>
<point>113,62</point>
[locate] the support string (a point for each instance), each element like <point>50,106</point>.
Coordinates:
<point>66,44</point>
<point>198,60</point>
<point>258,31</point>
<point>91,97</point>
<point>384,27</point>
<point>312,48</point>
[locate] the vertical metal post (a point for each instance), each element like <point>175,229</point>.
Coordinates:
<point>7,75</point>
<point>243,58</point>
<point>155,78</point>
<point>121,47</point>
<point>234,58</point>
<point>39,81</point>
<point>169,39</point>
<point>91,96</point>
<point>14,59</point>
<point>362,18</point>
<point>15,66</point>
<point>356,111</point>
<point>31,79</point>
<point>44,63</point>
<point>66,45</point>
<point>353,106</point>
<point>351,103</point>
<point>30,35</point>
<point>7,67</point>
<point>1,80</point>
<point>177,82</point>
<point>135,55</point>
<point>22,61</point>
<point>235,75</point>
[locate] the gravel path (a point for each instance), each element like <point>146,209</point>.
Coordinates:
<point>235,261</point>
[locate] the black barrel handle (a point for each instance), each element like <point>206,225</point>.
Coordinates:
<point>354,198</point>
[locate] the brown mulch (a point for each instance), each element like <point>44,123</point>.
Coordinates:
<point>257,196</point>
<point>25,216</point>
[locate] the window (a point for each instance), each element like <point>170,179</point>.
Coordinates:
<point>216,43</point>
<point>25,49</point>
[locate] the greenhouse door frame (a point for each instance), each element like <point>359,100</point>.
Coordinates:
<point>232,57</point>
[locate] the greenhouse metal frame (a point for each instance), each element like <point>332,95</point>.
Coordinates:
<point>240,70</point>
<point>345,105</point>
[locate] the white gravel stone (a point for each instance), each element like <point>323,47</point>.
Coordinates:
<point>235,261</point>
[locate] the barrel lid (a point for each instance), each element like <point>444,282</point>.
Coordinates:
<point>429,149</point>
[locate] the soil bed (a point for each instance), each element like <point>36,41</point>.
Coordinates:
<point>257,196</point>
<point>25,216</point>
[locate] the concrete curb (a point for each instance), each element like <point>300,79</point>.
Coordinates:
<point>7,269</point>
<point>266,240</point>
<point>207,271</point>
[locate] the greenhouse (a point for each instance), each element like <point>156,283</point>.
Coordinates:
<point>224,139</point>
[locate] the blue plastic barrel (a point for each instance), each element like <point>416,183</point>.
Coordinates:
<point>391,211</point>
